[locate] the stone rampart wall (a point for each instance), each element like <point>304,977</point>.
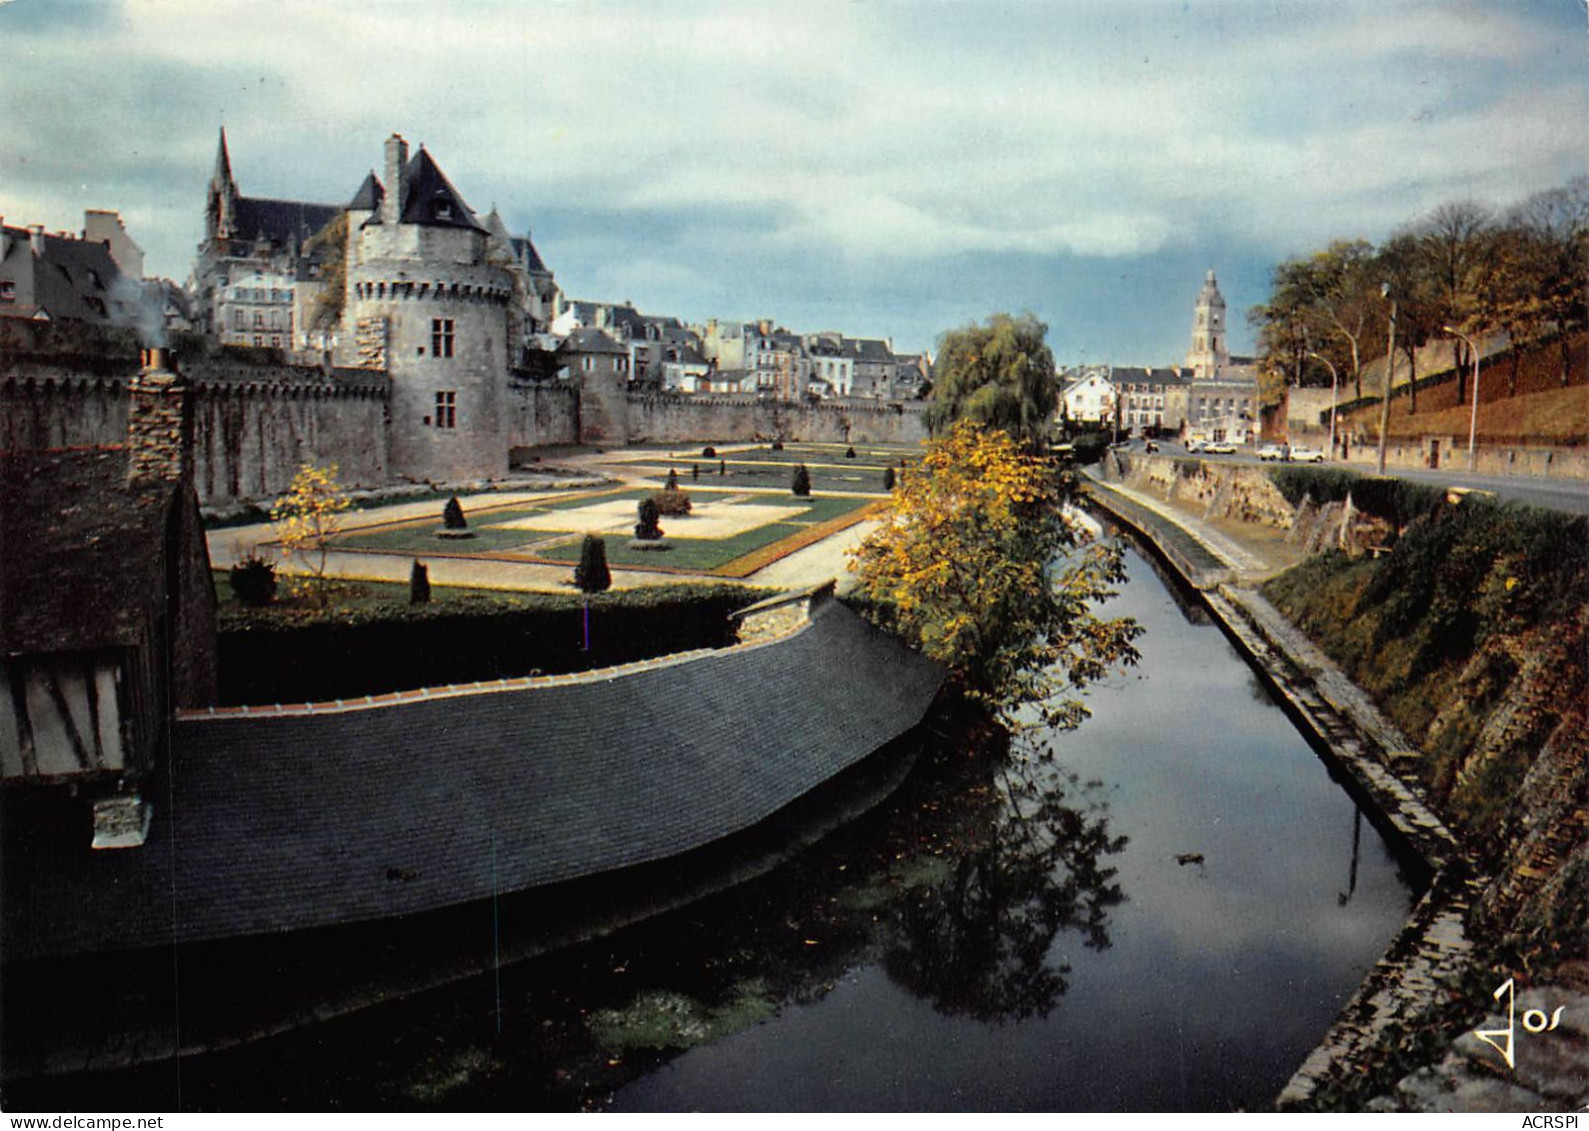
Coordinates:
<point>248,439</point>
<point>673,419</point>
<point>248,443</point>
<point>542,413</point>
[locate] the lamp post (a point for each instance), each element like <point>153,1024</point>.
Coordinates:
<point>1390,368</point>
<point>1335,385</point>
<point>1473,418</point>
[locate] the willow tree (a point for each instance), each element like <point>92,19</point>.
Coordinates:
<point>999,374</point>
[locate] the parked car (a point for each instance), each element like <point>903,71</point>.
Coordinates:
<point>1307,455</point>
<point>1196,446</point>
<point>1272,451</point>
<point>1221,448</point>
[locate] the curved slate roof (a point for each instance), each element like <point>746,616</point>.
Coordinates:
<point>279,823</point>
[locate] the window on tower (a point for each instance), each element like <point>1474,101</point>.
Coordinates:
<point>441,339</point>
<point>446,409</point>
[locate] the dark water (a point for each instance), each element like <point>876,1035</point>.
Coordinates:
<point>1201,987</point>
<point>1008,932</point>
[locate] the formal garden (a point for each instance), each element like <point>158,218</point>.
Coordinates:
<point>721,514</point>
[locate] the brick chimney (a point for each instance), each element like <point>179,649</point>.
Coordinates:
<point>159,424</point>
<point>396,159</point>
<point>36,238</point>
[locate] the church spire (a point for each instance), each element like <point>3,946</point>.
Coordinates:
<point>221,213</point>
<point>223,162</point>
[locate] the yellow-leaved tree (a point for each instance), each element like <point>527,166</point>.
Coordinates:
<point>978,564</point>
<point>307,517</point>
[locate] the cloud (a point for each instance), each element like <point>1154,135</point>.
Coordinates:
<point>872,139</point>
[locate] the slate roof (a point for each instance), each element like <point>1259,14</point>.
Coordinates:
<point>276,823</point>
<point>528,256</point>
<point>430,199</point>
<point>588,339</point>
<point>73,506</point>
<point>370,194</point>
<point>282,222</point>
<point>685,354</point>
<point>74,278</point>
<point>868,349</point>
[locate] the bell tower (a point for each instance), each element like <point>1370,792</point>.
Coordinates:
<point>1208,354</point>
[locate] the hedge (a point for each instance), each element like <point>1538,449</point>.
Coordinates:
<point>394,646</point>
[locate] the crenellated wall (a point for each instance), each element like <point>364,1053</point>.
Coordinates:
<point>256,420</point>
<point>249,437</point>
<point>250,440</point>
<point>680,418</point>
<point>541,413</point>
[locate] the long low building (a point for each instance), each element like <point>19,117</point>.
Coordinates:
<point>285,819</point>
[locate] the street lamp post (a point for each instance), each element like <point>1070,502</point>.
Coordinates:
<point>1335,385</point>
<point>1390,369</point>
<point>1473,418</point>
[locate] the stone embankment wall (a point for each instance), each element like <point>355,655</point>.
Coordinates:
<point>675,418</point>
<point>1228,491</point>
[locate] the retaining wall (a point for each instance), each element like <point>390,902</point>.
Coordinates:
<point>1224,490</point>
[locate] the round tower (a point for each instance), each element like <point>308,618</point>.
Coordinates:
<point>1208,354</point>
<point>425,305</point>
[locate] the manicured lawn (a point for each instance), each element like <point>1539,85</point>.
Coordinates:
<point>421,537</point>
<point>703,555</point>
<point>765,474</point>
<point>865,455</point>
<point>686,555</point>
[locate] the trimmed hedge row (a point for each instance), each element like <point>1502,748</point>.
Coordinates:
<point>396,646</point>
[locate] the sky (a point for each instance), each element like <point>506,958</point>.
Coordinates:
<point>888,169</point>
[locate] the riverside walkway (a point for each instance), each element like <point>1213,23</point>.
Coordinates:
<point>1425,965</point>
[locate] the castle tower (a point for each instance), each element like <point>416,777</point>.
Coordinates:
<point>426,304</point>
<point>1208,354</point>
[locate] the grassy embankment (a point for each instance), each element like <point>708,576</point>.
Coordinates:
<point>1472,634</point>
<point>1522,400</point>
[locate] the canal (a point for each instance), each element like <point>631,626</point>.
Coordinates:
<point>1163,909</point>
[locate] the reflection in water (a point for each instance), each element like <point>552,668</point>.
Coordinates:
<point>977,942</point>
<point>969,945</point>
<point>1345,897</point>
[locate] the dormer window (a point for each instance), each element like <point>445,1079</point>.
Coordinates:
<point>441,206</point>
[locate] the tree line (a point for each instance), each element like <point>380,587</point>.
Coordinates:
<point>1465,266</point>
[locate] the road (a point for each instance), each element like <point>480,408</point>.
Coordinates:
<point>1570,496</point>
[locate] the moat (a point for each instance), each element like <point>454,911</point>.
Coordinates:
<point>1164,911</point>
